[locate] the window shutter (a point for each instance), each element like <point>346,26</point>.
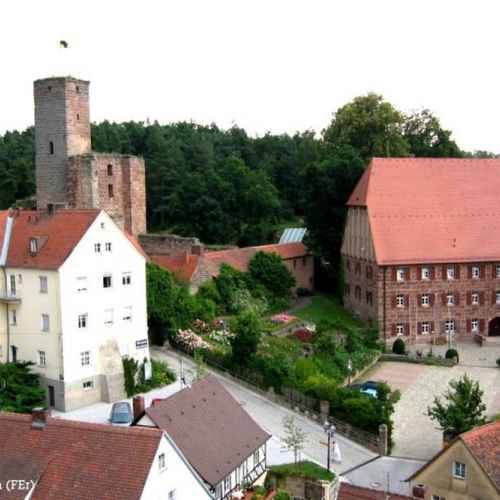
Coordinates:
<point>482,271</point>
<point>493,297</point>
<point>469,326</point>
<point>393,329</point>
<point>481,298</point>
<point>431,299</point>
<point>407,328</point>
<point>419,273</point>
<point>443,272</point>
<point>419,327</point>
<point>469,272</point>
<point>481,325</point>
<point>407,274</point>
<point>431,272</point>
<point>457,298</point>
<point>457,272</point>
<point>457,326</point>
<point>407,300</point>
<point>469,298</point>
<point>432,326</point>
<point>443,299</point>
<point>443,327</point>
<point>419,300</point>
<point>394,274</point>
<point>394,301</point>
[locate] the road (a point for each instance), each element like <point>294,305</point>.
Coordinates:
<point>270,416</point>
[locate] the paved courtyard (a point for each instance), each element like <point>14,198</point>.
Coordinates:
<point>415,434</point>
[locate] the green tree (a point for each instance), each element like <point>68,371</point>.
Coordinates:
<point>247,328</point>
<point>372,126</point>
<point>20,389</point>
<point>462,409</point>
<point>295,437</point>
<point>268,269</point>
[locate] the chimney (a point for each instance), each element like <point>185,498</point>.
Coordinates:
<point>197,250</point>
<point>139,406</point>
<point>39,418</point>
<point>419,491</point>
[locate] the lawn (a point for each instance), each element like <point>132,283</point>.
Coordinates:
<point>326,307</point>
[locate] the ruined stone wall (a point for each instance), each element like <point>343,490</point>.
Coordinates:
<point>62,129</point>
<point>167,244</point>
<point>134,186</point>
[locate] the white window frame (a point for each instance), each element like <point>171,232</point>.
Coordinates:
<point>33,245</point>
<point>450,299</point>
<point>425,300</point>
<point>425,273</point>
<point>449,326</point>
<point>108,316</point>
<point>81,284</point>
<point>459,470</point>
<point>127,313</point>
<point>126,278</point>
<point>97,247</point>
<point>425,328</point>
<point>450,272</point>
<point>474,325</point>
<point>400,300</point>
<point>42,359</point>
<point>227,483</point>
<point>44,284</point>
<point>497,273</point>
<point>400,329</point>
<point>475,298</point>
<point>83,320</point>
<point>108,246</point>
<point>400,274</point>
<point>475,272</point>
<point>45,322</point>
<point>85,358</point>
<point>110,276</point>
<point>162,462</point>
<point>497,297</point>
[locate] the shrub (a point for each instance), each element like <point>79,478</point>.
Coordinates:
<point>451,354</point>
<point>399,346</point>
<point>269,270</point>
<point>282,495</point>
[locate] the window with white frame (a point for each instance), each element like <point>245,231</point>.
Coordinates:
<point>400,274</point>
<point>497,297</point>
<point>33,245</point>
<point>497,271</point>
<point>161,461</point>
<point>172,495</point>
<point>107,246</point>
<point>45,323</point>
<point>227,483</point>
<point>42,360</point>
<point>450,272</point>
<point>449,326</point>
<point>43,284</point>
<point>425,328</point>
<point>400,329</point>
<point>81,284</point>
<point>459,470</point>
<point>85,358</point>
<point>426,300</point>
<point>425,273</point>
<point>108,316</point>
<point>107,281</point>
<point>450,299</point>
<point>13,317</point>
<point>474,325</point>
<point>127,313</point>
<point>476,273</point>
<point>474,298</point>
<point>82,320</point>
<point>400,300</point>
<point>97,247</point>
<point>89,384</point>
<point>126,278</point>
<point>13,285</point>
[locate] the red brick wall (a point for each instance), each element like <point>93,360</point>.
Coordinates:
<point>302,269</point>
<point>412,313</point>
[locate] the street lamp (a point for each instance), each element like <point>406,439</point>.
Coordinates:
<point>330,432</point>
<point>349,369</point>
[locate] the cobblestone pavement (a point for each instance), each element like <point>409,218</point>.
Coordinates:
<point>415,434</point>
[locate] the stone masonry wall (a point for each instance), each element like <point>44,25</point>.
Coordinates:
<point>167,244</point>
<point>302,269</point>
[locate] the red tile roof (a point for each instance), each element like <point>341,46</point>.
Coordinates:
<point>351,492</point>
<point>183,266</point>
<point>77,460</point>
<point>240,258</point>
<point>57,235</point>
<point>136,244</point>
<point>210,427</point>
<point>484,443</point>
<point>432,210</point>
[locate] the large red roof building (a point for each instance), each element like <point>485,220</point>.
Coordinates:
<point>421,249</point>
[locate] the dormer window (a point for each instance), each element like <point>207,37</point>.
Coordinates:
<point>33,246</point>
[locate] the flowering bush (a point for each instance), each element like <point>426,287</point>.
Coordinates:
<point>221,336</point>
<point>190,341</point>
<point>200,326</point>
<point>304,335</point>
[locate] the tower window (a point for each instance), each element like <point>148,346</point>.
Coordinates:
<point>110,190</point>
<point>78,116</point>
<point>110,170</point>
<point>51,147</point>
<point>49,88</point>
<point>77,89</point>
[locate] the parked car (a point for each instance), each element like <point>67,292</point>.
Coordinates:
<point>369,388</point>
<point>121,414</point>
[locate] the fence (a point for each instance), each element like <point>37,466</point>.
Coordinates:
<point>298,402</point>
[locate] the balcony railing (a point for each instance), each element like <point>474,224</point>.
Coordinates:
<point>9,298</point>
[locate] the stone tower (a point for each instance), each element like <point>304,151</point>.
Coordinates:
<point>68,173</point>
<point>62,129</point>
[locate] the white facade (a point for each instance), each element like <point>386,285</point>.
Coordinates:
<point>77,322</point>
<point>171,477</point>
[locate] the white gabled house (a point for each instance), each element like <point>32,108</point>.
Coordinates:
<point>73,301</point>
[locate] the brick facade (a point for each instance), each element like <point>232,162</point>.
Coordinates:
<point>418,306</point>
<point>68,173</point>
<point>302,269</point>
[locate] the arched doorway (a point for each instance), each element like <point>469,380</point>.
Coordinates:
<point>494,327</point>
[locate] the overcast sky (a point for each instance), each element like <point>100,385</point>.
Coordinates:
<point>266,65</point>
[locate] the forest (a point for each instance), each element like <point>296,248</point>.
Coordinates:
<point>226,187</point>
